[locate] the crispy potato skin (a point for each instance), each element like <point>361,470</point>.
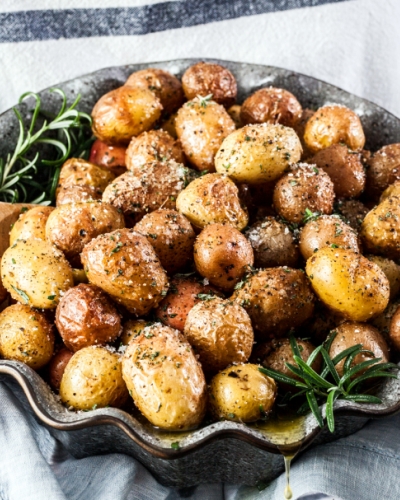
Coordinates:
<point>348,283</point>
<point>93,379</point>
<point>163,84</point>
<point>124,113</point>
<point>271,105</point>
<point>110,157</point>
<point>70,227</point>
<point>86,316</point>
<point>31,224</point>
<point>171,235</point>
<point>276,299</point>
<point>391,270</point>
<point>212,198</point>
<point>304,187</point>
<point>36,273</point>
<point>57,367</point>
<point>351,333</point>
<point>150,147</point>
<point>332,125</point>
<point>131,329</point>
<point>26,336</point>
<point>78,172</point>
<point>383,169</point>
<point>124,265</point>
<point>258,153</point>
<point>201,130</point>
<point>239,393</point>
<point>273,244</point>
<point>327,231</point>
<point>203,79</point>
<point>165,379</point>
<point>220,332</point>
<point>354,211</point>
<point>345,169</point>
<point>77,194</point>
<point>222,254</point>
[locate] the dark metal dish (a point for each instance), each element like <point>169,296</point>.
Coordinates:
<point>223,451</point>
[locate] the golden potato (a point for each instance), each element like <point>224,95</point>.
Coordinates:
<point>78,172</point>
<point>36,273</point>
<point>169,126</point>
<point>271,105</point>
<point>299,127</point>
<point>204,78</point>
<point>57,367</point>
<point>165,379</point>
<point>171,236</point>
<point>353,212</point>
<point>124,265</point>
<point>26,336</point>
<point>304,189</point>
<point>201,126</point>
<point>70,227</point>
<point>30,224</point>
<point>123,113</point>
<point>383,169</point>
<point>131,329</point>
<point>242,393</point>
<point>234,113</point>
<point>394,329</point>
<point>77,194</point>
<point>327,231</point>
<point>277,299</point>
<point>109,157</point>
<point>222,255</point>
<point>93,379</point>
<point>212,198</point>
<point>392,190</point>
<point>348,283</point>
<point>391,270</point>
<point>334,124</point>
<point>258,153</point>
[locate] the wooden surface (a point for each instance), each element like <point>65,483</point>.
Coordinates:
<point>9,213</point>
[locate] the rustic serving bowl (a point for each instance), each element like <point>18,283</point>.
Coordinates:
<point>222,451</point>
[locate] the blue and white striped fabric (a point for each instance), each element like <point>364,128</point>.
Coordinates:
<point>351,43</point>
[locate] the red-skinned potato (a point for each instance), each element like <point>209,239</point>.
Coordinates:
<point>111,157</point>
<point>57,367</point>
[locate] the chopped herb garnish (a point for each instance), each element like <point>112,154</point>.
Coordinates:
<point>22,294</point>
<point>175,445</point>
<point>117,247</point>
<point>51,297</point>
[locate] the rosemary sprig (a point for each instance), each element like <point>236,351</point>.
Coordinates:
<point>25,175</point>
<point>328,386</point>
<point>309,215</point>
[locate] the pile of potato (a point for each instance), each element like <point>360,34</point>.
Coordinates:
<point>200,233</point>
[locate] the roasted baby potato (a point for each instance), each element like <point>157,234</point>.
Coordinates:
<point>86,316</point>
<point>131,329</point>
<point>77,194</point>
<point>242,393</point>
<point>348,283</point>
<point>26,336</point>
<point>234,113</point>
<point>300,127</point>
<point>277,299</point>
<point>353,211</point>
<point>383,169</point>
<point>202,125</point>
<point>78,172</point>
<point>273,244</point>
<point>392,190</point>
<point>258,153</point>
<point>303,190</point>
<point>334,124</point>
<point>93,379</point>
<point>271,105</point>
<point>3,292</point>
<point>124,265</point>
<point>123,113</point>
<point>169,126</point>
<point>36,273</point>
<point>203,79</point>
<point>391,270</point>
<point>394,329</point>
<point>165,379</point>
<point>212,198</point>
<point>222,255</point>
<point>171,235</point>
<point>31,224</point>
<point>327,231</point>
<point>57,367</point>
<point>110,157</point>
<point>70,227</point>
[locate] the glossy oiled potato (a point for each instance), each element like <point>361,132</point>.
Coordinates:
<point>203,79</point>
<point>26,335</point>
<point>258,153</point>
<point>77,194</point>
<point>383,169</point>
<point>212,198</point>
<point>391,270</point>
<point>271,105</point>
<point>36,273</point>
<point>277,299</point>
<point>171,235</point>
<point>334,124</point>
<point>70,227</point>
<point>31,224</point>
<point>78,172</point>
<point>345,169</point>
<point>242,393</point>
<point>162,83</point>
<point>57,367</point>
<point>86,316</point>
<point>131,329</point>
<point>93,379</point>
<point>165,379</point>
<point>304,188</point>
<point>124,264</point>
<point>273,243</point>
<point>222,255</point>
<point>327,231</point>
<point>353,212</point>
<point>348,283</point>
<point>220,332</point>
<point>110,157</point>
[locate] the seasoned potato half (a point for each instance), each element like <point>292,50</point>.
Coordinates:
<point>110,157</point>
<point>31,224</point>
<point>77,194</point>
<point>383,169</point>
<point>78,172</point>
